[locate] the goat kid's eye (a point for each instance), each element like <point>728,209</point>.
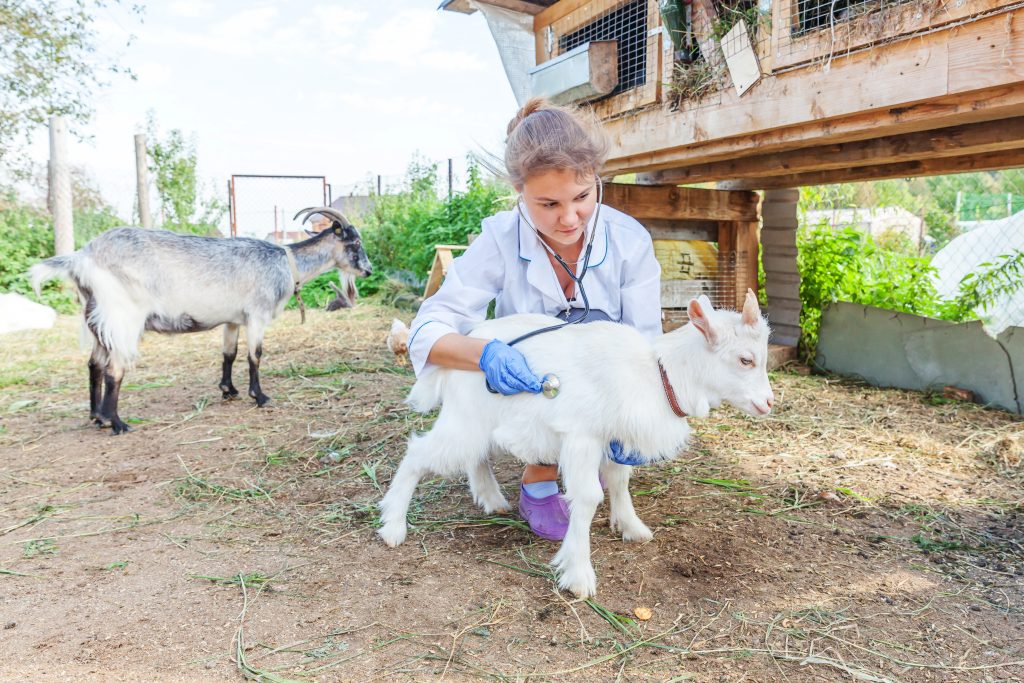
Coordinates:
<point>748,362</point>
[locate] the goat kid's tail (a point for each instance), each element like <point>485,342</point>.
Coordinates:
<point>58,266</point>
<point>427,392</point>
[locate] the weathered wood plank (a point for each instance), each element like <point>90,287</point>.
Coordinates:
<point>680,203</point>
<point>993,161</point>
<point>899,89</point>
<point>974,138</point>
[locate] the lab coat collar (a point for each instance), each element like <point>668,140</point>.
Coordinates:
<point>539,272</point>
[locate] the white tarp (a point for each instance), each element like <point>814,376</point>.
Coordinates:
<point>513,34</point>
<point>18,313</point>
<point>965,254</point>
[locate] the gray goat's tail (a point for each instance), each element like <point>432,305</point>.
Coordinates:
<point>58,266</point>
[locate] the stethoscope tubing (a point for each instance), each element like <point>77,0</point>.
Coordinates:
<point>578,280</point>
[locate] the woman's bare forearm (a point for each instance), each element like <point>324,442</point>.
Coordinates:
<point>457,351</point>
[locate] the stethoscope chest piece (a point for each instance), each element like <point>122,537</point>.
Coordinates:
<point>550,386</point>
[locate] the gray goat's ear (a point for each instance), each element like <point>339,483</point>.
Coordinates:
<point>311,233</point>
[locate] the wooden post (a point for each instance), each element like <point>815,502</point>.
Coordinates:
<point>142,181</point>
<point>60,187</point>
<point>782,279</point>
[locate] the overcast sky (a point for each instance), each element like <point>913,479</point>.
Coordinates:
<point>344,89</point>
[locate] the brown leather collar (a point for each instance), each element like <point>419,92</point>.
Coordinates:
<point>669,393</point>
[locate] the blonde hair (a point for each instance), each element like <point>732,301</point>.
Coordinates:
<point>545,137</point>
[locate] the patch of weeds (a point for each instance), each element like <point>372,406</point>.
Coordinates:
<point>200,405</point>
<point>11,572</point>
<point>156,384</point>
<point>21,405</point>
<point>252,579</point>
<point>330,647</point>
<point>846,491</point>
<point>39,546</point>
<point>197,489</point>
<point>281,456</point>
<point>135,420</point>
<point>10,380</point>
<point>3,429</point>
<point>339,368</point>
<point>740,485</point>
<point>120,564</point>
<point>930,545</point>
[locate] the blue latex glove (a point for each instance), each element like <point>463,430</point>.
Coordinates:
<point>507,370</point>
<point>616,453</point>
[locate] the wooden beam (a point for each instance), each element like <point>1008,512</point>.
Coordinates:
<point>975,138</point>
<point>993,161</point>
<point>681,203</point>
<point>907,86</point>
<point>557,11</point>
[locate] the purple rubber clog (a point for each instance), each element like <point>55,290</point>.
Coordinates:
<point>548,517</point>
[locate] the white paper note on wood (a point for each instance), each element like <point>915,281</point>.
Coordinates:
<point>740,58</point>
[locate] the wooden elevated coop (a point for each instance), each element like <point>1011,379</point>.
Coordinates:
<point>771,95</point>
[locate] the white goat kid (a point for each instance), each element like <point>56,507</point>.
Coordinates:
<point>613,388</point>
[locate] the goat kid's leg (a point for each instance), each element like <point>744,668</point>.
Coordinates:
<point>230,353</point>
<point>579,463</point>
<point>484,487</point>
<point>395,505</point>
<point>254,339</point>
<point>112,377</point>
<point>622,516</point>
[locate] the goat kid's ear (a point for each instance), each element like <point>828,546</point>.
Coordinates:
<point>698,310</point>
<point>311,233</point>
<point>751,310</point>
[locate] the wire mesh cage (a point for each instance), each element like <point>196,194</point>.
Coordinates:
<point>706,35</point>
<point>635,27</point>
<point>264,205</point>
<point>690,268</point>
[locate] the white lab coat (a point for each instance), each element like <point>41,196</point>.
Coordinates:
<point>508,263</point>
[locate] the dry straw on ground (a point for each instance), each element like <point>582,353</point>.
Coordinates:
<point>855,534</point>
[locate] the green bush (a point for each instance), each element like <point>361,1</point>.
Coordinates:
<point>26,237</point>
<point>847,265</point>
<point>401,230</point>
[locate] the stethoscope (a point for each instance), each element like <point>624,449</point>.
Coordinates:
<point>550,382</point>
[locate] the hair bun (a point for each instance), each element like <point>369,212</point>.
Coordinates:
<point>532,105</point>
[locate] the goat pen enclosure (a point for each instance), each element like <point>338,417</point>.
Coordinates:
<point>854,534</point>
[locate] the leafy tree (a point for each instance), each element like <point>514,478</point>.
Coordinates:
<point>173,161</point>
<point>48,66</point>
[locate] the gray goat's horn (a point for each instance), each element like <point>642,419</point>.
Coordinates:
<point>325,210</point>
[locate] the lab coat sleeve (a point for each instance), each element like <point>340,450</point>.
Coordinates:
<point>641,289</point>
<point>473,280</point>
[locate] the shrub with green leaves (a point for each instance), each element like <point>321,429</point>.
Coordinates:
<point>403,228</point>
<point>847,265</point>
<point>26,237</point>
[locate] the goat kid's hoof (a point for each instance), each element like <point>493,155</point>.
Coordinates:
<point>392,534</point>
<point>581,582</point>
<point>633,531</point>
<point>228,391</point>
<point>261,399</point>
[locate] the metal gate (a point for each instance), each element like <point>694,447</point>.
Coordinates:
<point>263,205</point>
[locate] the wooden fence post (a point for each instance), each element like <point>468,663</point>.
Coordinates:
<point>60,187</point>
<point>142,181</point>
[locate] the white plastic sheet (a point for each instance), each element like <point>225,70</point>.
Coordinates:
<point>965,254</point>
<point>513,34</point>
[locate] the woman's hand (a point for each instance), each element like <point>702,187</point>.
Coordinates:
<point>507,370</point>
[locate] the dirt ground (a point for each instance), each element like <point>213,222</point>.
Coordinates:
<point>854,534</point>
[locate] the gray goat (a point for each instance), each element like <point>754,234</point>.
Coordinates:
<point>131,280</point>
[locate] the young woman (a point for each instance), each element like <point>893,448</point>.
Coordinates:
<point>522,259</point>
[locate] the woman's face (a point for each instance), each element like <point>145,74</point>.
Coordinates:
<point>559,206</point>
